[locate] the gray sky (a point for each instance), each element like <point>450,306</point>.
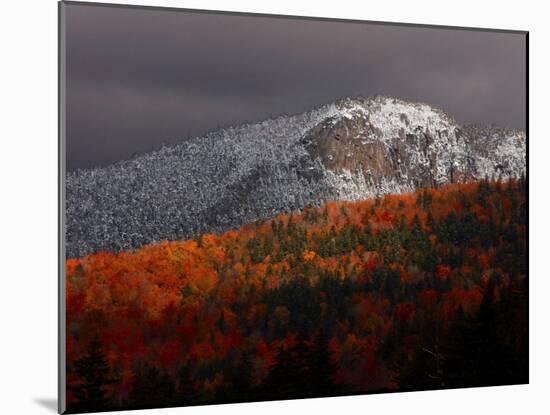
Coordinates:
<point>138,78</point>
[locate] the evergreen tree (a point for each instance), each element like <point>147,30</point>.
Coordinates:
<point>304,370</point>
<point>285,379</point>
<point>92,393</point>
<point>321,367</point>
<point>152,388</point>
<point>185,392</point>
<point>238,381</point>
<point>480,351</point>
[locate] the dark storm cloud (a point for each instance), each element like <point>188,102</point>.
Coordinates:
<point>139,78</point>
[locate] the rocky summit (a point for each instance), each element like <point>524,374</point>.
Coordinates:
<point>347,150</point>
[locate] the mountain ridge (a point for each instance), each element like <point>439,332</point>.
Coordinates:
<point>349,149</point>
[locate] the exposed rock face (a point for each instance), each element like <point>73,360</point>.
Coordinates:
<point>347,150</point>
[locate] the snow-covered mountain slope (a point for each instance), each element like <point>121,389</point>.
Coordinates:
<point>347,150</point>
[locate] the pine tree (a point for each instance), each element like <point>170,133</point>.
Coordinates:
<point>285,376</point>
<point>185,392</point>
<point>152,388</point>
<point>92,393</point>
<point>480,350</point>
<point>238,382</point>
<point>321,367</point>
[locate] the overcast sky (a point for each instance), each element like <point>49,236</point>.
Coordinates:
<point>137,78</point>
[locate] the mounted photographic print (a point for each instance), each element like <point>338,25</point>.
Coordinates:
<point>258,207</point>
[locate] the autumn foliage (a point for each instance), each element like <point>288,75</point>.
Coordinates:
<point>396,293</point>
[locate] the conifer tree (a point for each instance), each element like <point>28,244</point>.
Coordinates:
<point>92,393</point>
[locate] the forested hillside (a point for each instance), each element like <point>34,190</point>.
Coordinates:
<point>405,292</point>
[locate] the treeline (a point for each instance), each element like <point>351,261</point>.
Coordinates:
<point>406,292</point>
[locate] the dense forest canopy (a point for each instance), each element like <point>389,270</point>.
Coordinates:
<point>406,292</point>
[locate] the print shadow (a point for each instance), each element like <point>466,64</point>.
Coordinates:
<point>48,403</point>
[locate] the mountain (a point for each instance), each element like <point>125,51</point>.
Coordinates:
<point>350,149</point>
